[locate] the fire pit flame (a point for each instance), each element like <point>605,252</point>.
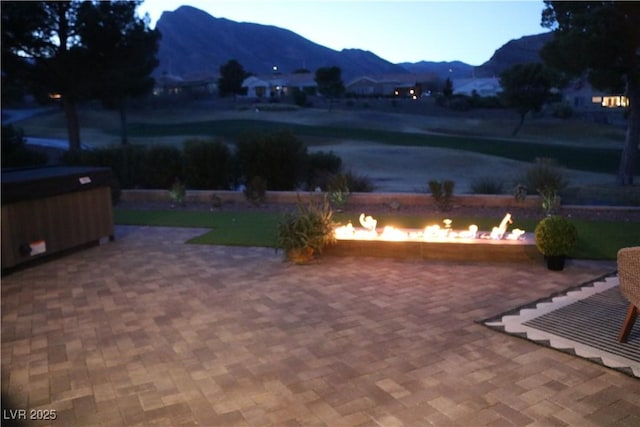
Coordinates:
<point>429,233</point>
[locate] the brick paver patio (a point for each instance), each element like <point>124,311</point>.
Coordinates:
<point>148,330</point>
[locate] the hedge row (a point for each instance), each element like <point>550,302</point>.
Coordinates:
<point>278,158</point>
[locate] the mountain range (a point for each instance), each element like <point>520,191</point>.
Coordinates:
<point>195,44</point>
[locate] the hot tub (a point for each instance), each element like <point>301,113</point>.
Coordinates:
<point>49,210</point>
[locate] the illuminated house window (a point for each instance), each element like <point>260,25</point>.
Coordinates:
<point>615,101</point>
<point>596,100</point>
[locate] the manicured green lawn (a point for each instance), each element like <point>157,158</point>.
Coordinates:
<point>227,228</point>
<point>596,239</point>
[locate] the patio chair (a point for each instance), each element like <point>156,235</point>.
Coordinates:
<point>629,277</point>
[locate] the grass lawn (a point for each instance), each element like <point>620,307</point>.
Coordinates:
<point>227,228</point>
<point>599,240</point>
<point>592,159</point>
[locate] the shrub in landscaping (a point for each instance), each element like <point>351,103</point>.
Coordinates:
<point>177,193</point>
<point>208,164</point>
<point>545,174</point>
<point>256,190</point>
<point>485,101</point>
<point>488,185</point>
<point>16,153</point>
<point>125,162</point>
<point>306,232</point>
<point>359,183</point>
<point>442,193</point>
<point>555,236</point>
<point>299,98</point>
<point>321,166</point>
<point>547,178</point>
<point>278,157</point>
<point>459,103</point>
<point>520,192</point>
<point>161,165</point>
<point>562,110</point>
<point>339,190</point>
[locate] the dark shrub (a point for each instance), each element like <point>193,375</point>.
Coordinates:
<point>278,157</point>
<point>15,152</point>
<point>160,167</point>
<point>488,185</point>
<point>125,162</point>
<point>562,110</point>
<point>256,190</point>
<point>459,103</point>
<point>545,174</point>
<point>299,98</point>
<point>358,183</point>
<point>208,164</point>
<point>485,102</point>
<point>321,166</point>
<point>442,193</point>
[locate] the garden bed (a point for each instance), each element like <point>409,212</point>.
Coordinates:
<point>377,203</point>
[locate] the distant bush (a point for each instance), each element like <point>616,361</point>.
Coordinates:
<point>208,164</point>
<point>547,178</point>
<point>300,98</point>
<point>338,189</point>
<point>486,102</point>
<point>321,166</point>
<point>16,153</point>
<point>459,103</point>
<point>358,183</point>
<point>488,185</point>
<point>545,175</point>
<point>256,190</point>
<point>562,110</point>
<point>278,157</point>
<point>160,166</point>
<point>442,193</point>
<point>274,105</point>
<point>125,162</point>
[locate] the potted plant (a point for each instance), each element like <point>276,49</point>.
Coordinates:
<point>306,232</point>
<point>555,238</point>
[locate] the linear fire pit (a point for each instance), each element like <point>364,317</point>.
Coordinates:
<point>435,243</point>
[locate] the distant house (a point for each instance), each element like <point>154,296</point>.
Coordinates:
<point>484,87</point>
<point>278,85</point>
<point>194,85</point>
<point>406,85</point>
<point>369,86</point>
<point>583,97</point>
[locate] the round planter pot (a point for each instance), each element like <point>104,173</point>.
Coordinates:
<point>555,262</point>
<point>300,255</point>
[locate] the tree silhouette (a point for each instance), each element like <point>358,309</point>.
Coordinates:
<point>232,74</point>
<point>49,47</point>
<point>601,39</point>
<point>329,82</point>
<point>526,88</point>
<point>122,50</point>
<point>447,90</point>
<point>49,54</point>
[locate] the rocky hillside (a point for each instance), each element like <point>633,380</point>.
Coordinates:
<point>194,42</point>
<point>522,50</point>
<point>452,69</point>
